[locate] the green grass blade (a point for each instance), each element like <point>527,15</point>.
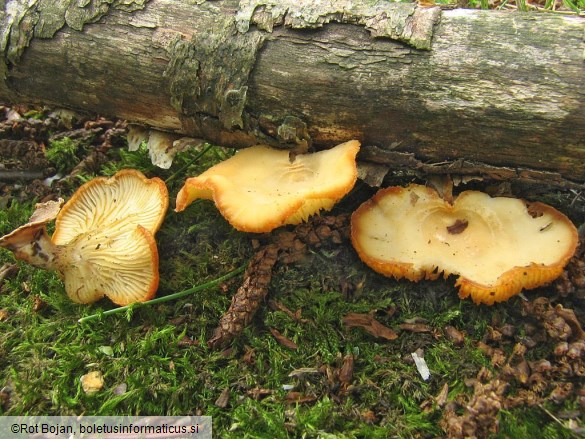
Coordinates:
<point>132,307</point>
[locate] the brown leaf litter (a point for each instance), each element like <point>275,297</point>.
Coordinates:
<point>572,280</point>
<point>25,136</point>
<point>555,378</point>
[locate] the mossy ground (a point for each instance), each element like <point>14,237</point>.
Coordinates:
<point>155,360</point>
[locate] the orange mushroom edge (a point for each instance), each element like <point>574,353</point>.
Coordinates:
<point>495,246</point>
<point>261,188</point>
<point>103,244</point>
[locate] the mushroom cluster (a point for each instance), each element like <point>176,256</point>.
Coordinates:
<point>261,188</point>
<point>496,246</point>
<point>103,244</point>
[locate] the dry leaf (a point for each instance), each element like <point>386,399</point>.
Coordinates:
<point>120,389</point>
<point>7,271</point>
<point>571,319</point>
<point>296,316</point>
<point>368,416</point>
<point>457,227</point>
<point>38,303</point>
<point>346,372</point>
<point>441,398</point>
<point>299,398</point>
<point>258,393</point>
<point>303,371</point>
<point>187,341</point>
<point>370,325</point>
<point>249,355</point>
<point>454,335</point>
<point>281,339</point>
<point>223,399</point>
<point>415,327</point>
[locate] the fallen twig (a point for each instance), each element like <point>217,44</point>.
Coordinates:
<point>9,175</point>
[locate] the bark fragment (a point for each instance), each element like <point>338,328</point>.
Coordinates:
<point>398,21</point>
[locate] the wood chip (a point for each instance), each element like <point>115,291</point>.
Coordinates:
<point>421,364</point>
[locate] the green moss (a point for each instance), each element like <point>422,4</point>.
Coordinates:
<point>64,154</point>
<point>535,423</point>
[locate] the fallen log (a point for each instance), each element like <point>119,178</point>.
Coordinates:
<point>496,90</point>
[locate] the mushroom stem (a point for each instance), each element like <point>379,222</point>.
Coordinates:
<point>37,249</point>
<point>30,242</point>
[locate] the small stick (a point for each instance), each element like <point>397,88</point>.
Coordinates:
<point>9,175</point>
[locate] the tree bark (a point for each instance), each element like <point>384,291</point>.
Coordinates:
<point>453,91</point>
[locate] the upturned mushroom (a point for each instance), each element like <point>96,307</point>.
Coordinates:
<point>103,244</point>
<point>261,188</point>
<point>496,246</point>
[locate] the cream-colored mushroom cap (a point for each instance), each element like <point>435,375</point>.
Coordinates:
<point>496,246</point>
<point>260,188</point>
<point>105,235</point>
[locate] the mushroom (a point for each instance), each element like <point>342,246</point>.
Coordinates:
<point>261,188</point>
<point>103,244</point>
<point>496,246</point>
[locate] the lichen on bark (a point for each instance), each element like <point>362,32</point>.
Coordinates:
<point>208,74</point>
<point>405,22</point>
